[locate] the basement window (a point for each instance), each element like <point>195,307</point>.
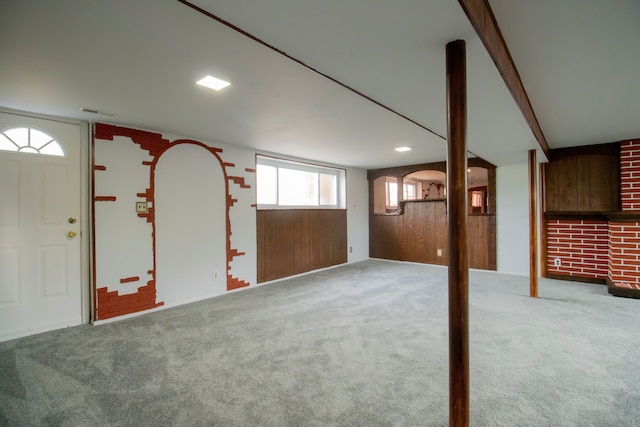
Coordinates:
<point>391,189</point>
<point>285,184</point>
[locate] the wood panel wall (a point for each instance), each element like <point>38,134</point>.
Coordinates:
<point>481,232</point>
<point>421,229</point>
<point>581,188</point>
<point>583,179</point>
<point>425,231</point>
<point>294,241</point>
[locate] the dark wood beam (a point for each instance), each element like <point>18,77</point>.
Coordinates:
<point>484,22</point>
<point>533,226</point>
<point>457,217</point>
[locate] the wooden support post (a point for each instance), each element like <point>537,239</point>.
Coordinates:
<point>544,269</point>
<point>457,217</point>
<point>533,226</point>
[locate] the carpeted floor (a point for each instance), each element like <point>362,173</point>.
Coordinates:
<point>359,345</point>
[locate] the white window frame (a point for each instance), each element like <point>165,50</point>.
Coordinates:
<point>340,175</point>
<point>414,186</point>
<point>391,194</point>
<point>13,145</point>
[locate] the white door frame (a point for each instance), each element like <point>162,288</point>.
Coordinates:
<point>86,217</point>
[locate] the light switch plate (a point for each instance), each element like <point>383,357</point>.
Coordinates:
<point>141,207</point>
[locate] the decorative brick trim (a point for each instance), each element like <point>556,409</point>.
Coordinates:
<point>240,181</point>
<point>111,304</point>
<point>235,283</point>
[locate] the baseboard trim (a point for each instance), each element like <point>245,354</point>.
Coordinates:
<point>583,279</point>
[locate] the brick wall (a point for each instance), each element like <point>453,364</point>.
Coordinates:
<point>630,175</point>
<point>624,254</point>
<point>624,237</point>
<point>581,245</point>
<point>603,249</point>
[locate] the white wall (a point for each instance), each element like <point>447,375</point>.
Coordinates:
<point>512,200</point>
<point>190,231</point>
<point>177,252</point>
<point>189,254</point>
<point>122,241</point>
<point>357,214</point>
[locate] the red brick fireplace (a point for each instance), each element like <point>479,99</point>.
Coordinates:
<point>602,247</point>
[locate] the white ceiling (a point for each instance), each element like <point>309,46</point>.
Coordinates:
<point>139,59</point>
<point>580,63</point>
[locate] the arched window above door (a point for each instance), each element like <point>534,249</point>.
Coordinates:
<point>29,140</point>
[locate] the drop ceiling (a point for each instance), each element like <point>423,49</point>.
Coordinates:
<point>139,61</point>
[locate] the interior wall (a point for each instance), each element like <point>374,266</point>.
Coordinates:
<point>222,241</point>
<point>190,234</point>
<point>200,189</point>
<point>512,205</point>
<point>379,195</point>
<point>297,241</point>
<point>357,214</point>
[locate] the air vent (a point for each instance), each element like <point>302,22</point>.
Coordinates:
<point>94,111</point>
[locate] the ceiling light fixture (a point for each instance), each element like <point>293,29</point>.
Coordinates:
<point>213,83</point>
<point>403,149</point>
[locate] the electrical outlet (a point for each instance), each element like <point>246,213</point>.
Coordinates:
<point>142,207</point>
<point>439,252</point>
<point>215,275</point>
<point>350,248</point>
<point>557,262</point>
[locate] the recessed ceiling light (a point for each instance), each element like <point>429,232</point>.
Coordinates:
<point>402,149</point>
<point>213,83</point>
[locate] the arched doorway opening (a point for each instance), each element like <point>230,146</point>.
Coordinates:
<point>190,225</point>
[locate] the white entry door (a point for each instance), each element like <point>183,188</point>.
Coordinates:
<point>40,279</point>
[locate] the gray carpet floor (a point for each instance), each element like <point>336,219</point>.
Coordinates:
<point>358,345</point>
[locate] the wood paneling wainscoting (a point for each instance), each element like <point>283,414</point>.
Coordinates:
<point>481,232</point>
<point>417,229</point>
<point>294,241</point>
<point>583,179</point>
<point>420,230</point>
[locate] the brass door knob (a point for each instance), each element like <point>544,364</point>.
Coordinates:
<point>72,234</point>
